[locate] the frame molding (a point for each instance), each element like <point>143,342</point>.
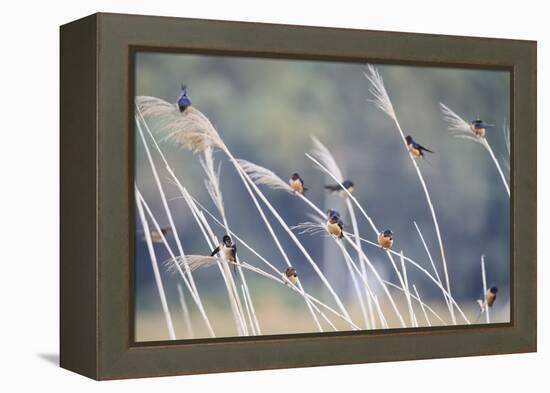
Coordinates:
<point>96,196</point>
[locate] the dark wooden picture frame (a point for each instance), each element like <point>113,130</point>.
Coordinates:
<point>97,197</point>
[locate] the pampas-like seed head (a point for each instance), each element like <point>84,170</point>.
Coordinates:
<point>193,261</point>
<point>380,96</point>
<point>190,129</point>
<point>324,156</point>
<point>309,228</point>
<point>212,182</point>
<point>264,176</point>
<point>459,127</point>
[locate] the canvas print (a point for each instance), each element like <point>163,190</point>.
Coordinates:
<point>288,196</point>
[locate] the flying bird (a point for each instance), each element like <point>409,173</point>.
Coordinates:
<point>184,101</point>
<point>335,226</point>
<point>348,185</point>
<point>385,239</point>
<point>228,249</point>
<point>291,275</point>
<point>297,183</point>
<point>479,127</point>
<point>415,148</point>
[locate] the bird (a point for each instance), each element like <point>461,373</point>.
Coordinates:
<point>385,239</point>
<point>156,236</point>
<point>415,149</point>
<point>228,249</point>
<point>490,297</point>
<point>348,185</point>
<point>335,226</point>
<point>291,275</point>
<point>332,212</point>
<point>479,127</point>
<point>297,183</point>
<point>184,101</point>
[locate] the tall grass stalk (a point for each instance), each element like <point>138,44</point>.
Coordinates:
<point>156,272</point>
<point>172,225</point>
<point>484,301</point>
<point>185,311</point>
<point>213,186</point>
<point>326,157</point>
<point>432,262</point>
<point>428,322</point>
<point>251,320</point>
<point>408,292</point>
<point>382,100</point>
<point>461,129</point>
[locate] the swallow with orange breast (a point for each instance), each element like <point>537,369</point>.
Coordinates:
<point>228,249</point>
<point>183,101</point>
<point>297,183</point>
<point>335,226</point>
<point>491,296</point>
<point>479,127</point>
<point>348,185</point>
<point>416,149</point>
<point>385,239</point>
<point>291,275</point>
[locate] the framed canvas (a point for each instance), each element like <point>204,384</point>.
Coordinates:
<point>241,196</point>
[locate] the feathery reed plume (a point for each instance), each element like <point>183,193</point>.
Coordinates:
<point>310,228</point>
<point>323,154</point>
<point>461,129</point>
<point>195,262</point>
<point>190,128</point>
<point>264,176</point>
<point>185,311</point>
<point>156,272</point>
<point>382,100</point>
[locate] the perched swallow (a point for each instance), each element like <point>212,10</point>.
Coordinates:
<point>479,127</point>
<point>228,250</point>
<point>348,185</point>
<point>416,149</point>
<point>184,101</point>
<point>335,226</point>
<point>291,275</point>
<point>385,239</point>
<point>156,236</point>
<point>332,212</point>
<point>491,296</point>
<point>297,183</point>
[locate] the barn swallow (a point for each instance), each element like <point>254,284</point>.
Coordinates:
<point>491,296</point>
<point>297,183</point>
<point>348,185</point>
<point>335,226</point>
<point>385,239</point>
<point>332,212</point>
<point>416,149</point>
<point>291,275</point>
<point>184,101</point>
<point>228,250</point>
<point>156,236</point>
<point>479,127</point>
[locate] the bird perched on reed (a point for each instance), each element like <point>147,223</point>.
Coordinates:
<point>490,297</point>
<point>335,226</point>
<point>479,127</point>
<point>156,236</point>
<point>385,239</point>
<point>348,185</point>
<point>415,148</point>
<point>291,275</point>
<point>228,249</point>
<point>297,183</point>
<point>184,101</point>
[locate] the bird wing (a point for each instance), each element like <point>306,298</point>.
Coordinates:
<point>331,187</point>
<point>423,148</point>
<point>234,251</point>
<point>216,250</point>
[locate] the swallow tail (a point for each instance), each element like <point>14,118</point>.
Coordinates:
<point>423,148</point>
<point>331,187</point>
<point>216,250</point>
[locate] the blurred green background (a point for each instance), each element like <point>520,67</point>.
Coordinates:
<point>266,110</point>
